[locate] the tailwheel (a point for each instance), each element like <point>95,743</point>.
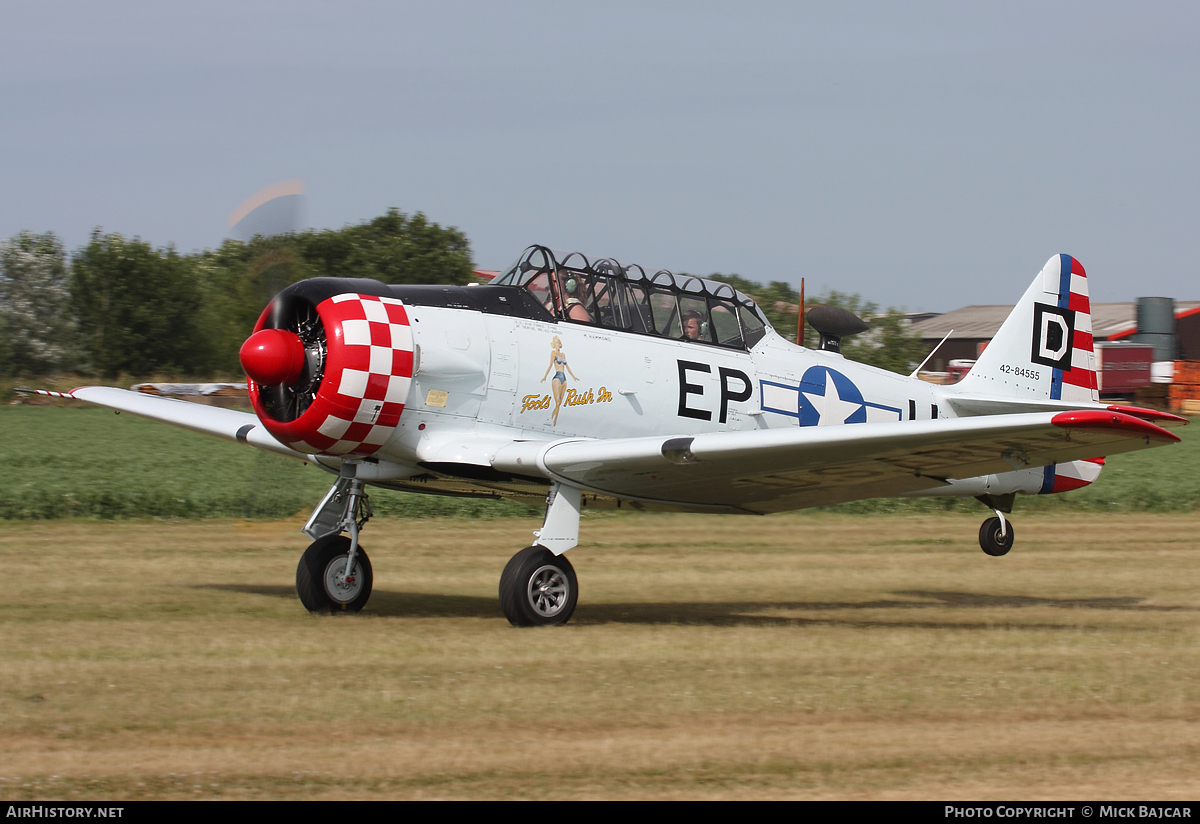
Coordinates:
<point>996,536</point>
<point>538,588</point>
<point>321,579</point>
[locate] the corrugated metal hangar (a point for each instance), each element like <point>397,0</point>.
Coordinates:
<point>974,326</point>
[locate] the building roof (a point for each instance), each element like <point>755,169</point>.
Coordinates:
<point>982,322</point>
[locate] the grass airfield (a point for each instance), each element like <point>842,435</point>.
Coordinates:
<point>808,655</point>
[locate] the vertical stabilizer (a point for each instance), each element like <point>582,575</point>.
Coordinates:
<point>1044,349</point>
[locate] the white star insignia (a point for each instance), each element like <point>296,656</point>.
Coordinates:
<point>831,409</point>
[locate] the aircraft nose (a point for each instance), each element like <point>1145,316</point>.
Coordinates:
<point>273,356</point>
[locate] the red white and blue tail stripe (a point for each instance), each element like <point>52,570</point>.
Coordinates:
<point>1067,476</point>
<point>1078,382</point>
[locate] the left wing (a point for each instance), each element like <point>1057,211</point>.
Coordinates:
<point>228,424</point>
<point>776,470</point>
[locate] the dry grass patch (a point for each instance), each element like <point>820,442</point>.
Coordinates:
<point>795,656</point>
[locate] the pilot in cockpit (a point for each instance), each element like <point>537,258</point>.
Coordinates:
<point>693,325</point>
<point>565,282</point>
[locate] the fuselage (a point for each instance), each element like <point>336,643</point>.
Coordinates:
<point>423,385</point>
<point>482,379</point>
<point>480,370</point>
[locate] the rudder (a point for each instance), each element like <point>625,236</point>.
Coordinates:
<point>1044,349</point>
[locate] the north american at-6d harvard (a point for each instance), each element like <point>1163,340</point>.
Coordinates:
<point>582,382</point>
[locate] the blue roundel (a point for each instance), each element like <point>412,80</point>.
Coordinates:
<point>829,398</point>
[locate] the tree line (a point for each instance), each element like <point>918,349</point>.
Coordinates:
<point>120,305</point>
<point>888,344</point>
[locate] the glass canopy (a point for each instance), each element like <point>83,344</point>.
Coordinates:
<point>602,292</point>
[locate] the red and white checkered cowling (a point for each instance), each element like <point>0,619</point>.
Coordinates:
<point>368,369</point>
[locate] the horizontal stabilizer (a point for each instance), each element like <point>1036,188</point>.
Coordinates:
<point>993,405</point>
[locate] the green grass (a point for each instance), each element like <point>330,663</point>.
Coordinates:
<point>91,463</point>
<point>73,462</point>
<point>802,655</point>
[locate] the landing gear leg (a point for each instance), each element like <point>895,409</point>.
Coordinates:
<point>334,574</point>
<point>538,586</point>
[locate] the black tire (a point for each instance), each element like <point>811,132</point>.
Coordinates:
<point>538,588</point>
<point>990,540</point>
<point>316,582</point>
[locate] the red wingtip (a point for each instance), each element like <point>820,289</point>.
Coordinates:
<point>1115,422</point>
<point>1152,415</point>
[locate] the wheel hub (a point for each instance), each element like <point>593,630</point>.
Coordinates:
<point>339,586</point>
<point>548,591</point>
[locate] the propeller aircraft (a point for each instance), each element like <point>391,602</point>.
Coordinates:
<point>584,383</point>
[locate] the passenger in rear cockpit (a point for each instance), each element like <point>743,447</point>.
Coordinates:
<point>693,325</point>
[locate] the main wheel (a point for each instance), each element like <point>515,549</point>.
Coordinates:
<point>321,580</point>
<point>538,588</point>
<point>990,539</point>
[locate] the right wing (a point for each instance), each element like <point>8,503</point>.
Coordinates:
<point>228,424</point>
<point>774,470</point>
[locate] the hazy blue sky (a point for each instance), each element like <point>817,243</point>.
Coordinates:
<point>924,154</point>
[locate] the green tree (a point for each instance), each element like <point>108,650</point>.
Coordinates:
<point>7,367</point>
<point>887,344</point>
<point>239,279</point>
<point>778,300</point>
<point>392,248</point>
<point>139,309</point>
<point>35,318</point>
